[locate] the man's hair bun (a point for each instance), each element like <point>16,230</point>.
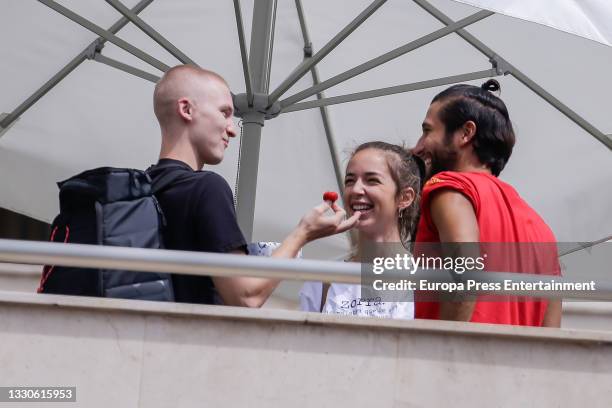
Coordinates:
<point>491,85</point>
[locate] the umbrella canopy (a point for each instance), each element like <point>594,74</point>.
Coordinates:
<point>587,18</point>
<point>555,78</point>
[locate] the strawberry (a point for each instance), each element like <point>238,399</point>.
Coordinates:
<point>330,196</point>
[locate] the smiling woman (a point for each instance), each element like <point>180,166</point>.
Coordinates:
<point>383,183</point>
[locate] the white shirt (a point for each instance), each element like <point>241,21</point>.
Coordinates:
<point>346,299</point>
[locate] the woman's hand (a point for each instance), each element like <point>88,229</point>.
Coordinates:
<point>316,224</point>
<point>313,225</point>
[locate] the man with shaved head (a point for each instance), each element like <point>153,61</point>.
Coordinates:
<point>194,108</point>
<point>195,112</point>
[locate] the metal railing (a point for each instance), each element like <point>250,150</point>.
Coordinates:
<point>228,265</point>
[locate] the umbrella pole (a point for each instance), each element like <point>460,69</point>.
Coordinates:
<point>260,62</point>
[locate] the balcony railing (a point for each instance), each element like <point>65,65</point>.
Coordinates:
<point>155,354</point>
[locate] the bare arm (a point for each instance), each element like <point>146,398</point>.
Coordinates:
<point>253,292</point>
<point>454,218</point>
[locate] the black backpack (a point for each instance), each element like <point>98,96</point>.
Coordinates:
<point>116,207</point>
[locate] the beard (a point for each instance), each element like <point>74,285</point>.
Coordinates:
<point>444,158</point>
<point>443,162</point>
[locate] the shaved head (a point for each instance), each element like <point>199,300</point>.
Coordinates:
<point>182,81</point>
<point>195,111</point>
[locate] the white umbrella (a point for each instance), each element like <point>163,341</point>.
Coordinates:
<point>557,90</point>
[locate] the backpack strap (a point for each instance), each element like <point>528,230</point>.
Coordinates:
<point>47,269</point>
<point>162,182</point>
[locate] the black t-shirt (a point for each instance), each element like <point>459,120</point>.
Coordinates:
<point>200,216</point>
